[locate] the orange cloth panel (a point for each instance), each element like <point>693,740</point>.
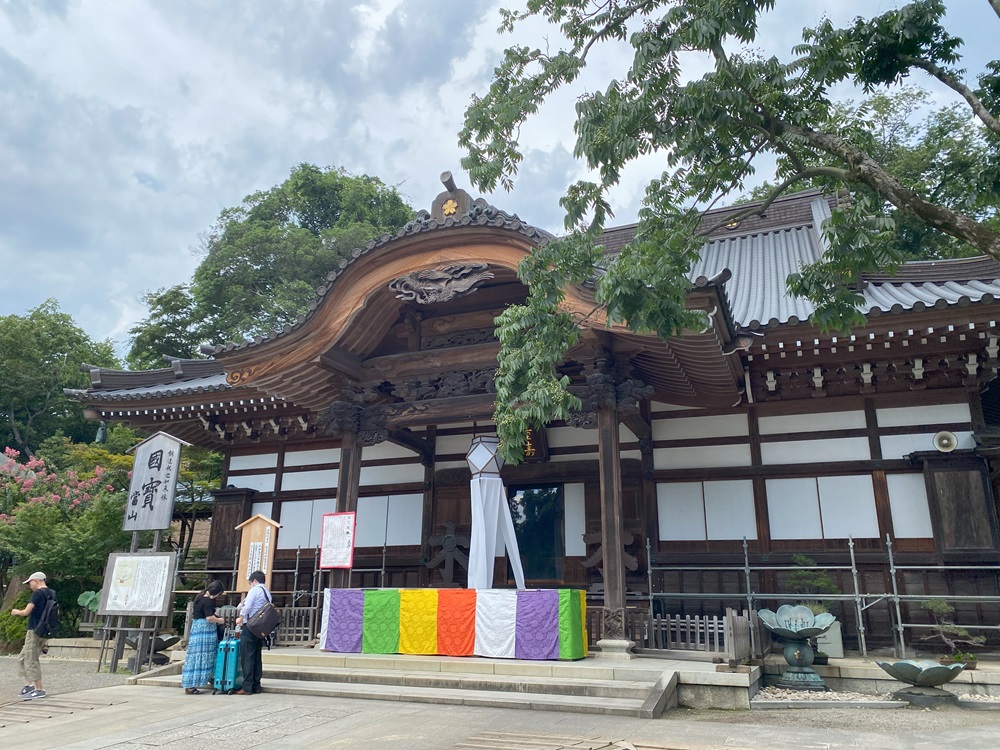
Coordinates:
<point>456,625</point>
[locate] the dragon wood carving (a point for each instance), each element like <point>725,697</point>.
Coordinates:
<point>440,284</point>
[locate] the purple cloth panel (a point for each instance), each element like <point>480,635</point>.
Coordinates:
<point>537,626</point>
<point>343,629</point>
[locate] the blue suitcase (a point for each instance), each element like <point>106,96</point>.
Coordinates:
<point>228,675</point>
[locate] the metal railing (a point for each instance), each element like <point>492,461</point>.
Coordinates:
<point>859,600</point>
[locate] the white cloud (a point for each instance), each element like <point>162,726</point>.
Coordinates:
<point>127,127</point>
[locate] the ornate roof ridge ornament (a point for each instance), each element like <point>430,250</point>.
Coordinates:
<point>477,213</point>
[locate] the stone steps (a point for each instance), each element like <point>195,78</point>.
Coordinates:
<point>469,682</point>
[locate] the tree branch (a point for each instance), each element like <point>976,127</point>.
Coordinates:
<point>956,85</point>
<point>757,210</point>
<point>866,171</point>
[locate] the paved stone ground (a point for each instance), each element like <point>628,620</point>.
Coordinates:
<point>91,711</point>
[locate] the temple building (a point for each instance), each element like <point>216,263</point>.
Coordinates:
<point>750,442</point>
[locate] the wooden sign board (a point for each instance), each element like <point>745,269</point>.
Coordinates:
<point>138,583</point>
<point>337,544</point>
<point>258,541</point>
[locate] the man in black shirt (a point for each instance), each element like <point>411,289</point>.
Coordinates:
<point>33,643</point>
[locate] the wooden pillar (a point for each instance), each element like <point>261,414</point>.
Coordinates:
<point>604,398</point>
<point>343,419</point>
<point>612,523</point>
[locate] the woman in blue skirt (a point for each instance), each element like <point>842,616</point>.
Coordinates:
<point>199,661</point>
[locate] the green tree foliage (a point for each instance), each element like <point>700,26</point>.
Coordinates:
<point>264,260</point>
<point>171,330</point>
<point>40,354</point>
<point>932,154</point>
<point>751,110</point>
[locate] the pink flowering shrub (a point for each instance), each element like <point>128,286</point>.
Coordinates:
<point>59,522</point>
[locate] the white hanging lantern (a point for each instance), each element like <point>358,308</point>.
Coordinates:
<point>484,456</point>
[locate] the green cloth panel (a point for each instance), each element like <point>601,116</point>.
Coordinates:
<point>571,644</point>
<point>380,625</point>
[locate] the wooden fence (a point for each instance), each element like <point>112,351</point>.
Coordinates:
<point>725,637</point>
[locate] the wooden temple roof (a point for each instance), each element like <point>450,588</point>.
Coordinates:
<point>339,347</point>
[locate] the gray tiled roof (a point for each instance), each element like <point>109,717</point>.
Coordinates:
<point>761,261</point>
<point>209,384</point>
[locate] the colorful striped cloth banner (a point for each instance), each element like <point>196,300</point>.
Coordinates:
<point>533,624</point>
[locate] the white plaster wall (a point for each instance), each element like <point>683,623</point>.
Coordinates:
<point>905,416</point>
<point>681,510</point>
<point>309,480</point>
<point>574,520</point>
<point>897,446</point>
<point>815,451</point>
<point>793,508</point>
<point>259,482</point>
<point>701,457</point>
<point>911,516</point>
<point>393,474</point>
<point>689,428</point>
<point>254,461</point>
<point>847,504</point>
<point>729,509</point>
<point>385,450</point>
<point>816,422</point>
<point>308,457</point>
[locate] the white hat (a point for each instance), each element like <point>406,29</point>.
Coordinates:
<point>39,576</point>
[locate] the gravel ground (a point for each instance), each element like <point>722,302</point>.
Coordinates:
<point>885,720</point>
<point>58,676</point>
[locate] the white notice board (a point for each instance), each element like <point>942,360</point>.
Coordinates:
<point>138,583</point>
<point>337,545</point>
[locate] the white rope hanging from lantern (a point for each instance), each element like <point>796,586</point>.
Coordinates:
<point>491,518</point>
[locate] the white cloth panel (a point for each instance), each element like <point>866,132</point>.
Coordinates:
<point>848,507</point>
<point>688,428</point>
<point>324,479</point>
<point>296,524</point>
<point>793,508</point>
<point>259,482</point>
<point>815,422</point>
<point>911,516</point>
<point>816,451</point>
<point>574,520</point>
<point>406,514</point>
<point>491,519</point>
<point>921,416</point>
<point>310,457</point>
<point>321,642</point>
<point>496,619</point>
<point>898,446</point>
<point>701,457</point>
<point>729,510</point>
<point>253,461</point>
<point>681,510</point>
<point>369,530</point>
<point>392,474</point>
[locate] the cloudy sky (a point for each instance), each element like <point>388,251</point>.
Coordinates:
<point>127,125</point>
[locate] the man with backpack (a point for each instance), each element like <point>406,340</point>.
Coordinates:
<point>40,614</point>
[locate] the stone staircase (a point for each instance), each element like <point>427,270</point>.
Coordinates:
<point>587,686</point>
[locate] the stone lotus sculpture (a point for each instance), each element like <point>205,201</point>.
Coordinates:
<point>924,675</point>
<point>922,672</point>
<point>797,624</point>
